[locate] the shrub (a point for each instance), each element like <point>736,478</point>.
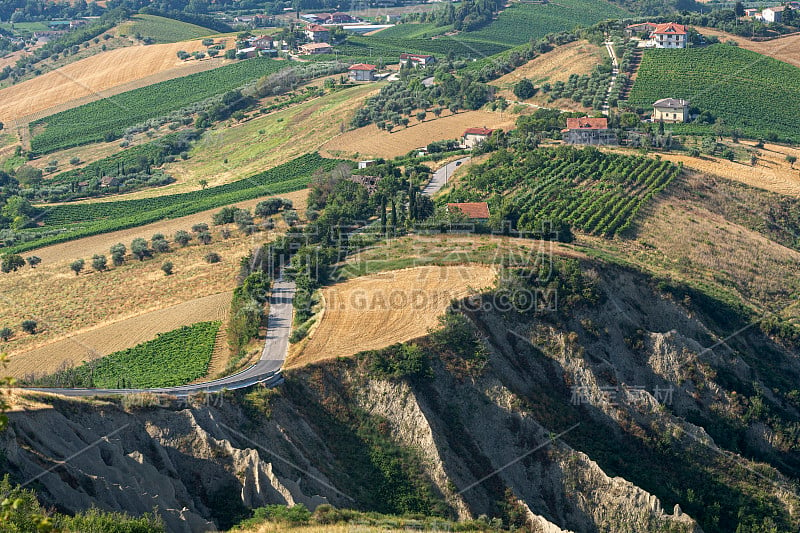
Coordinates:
<point>213,257</point>
<point>167,267</point>
<point>29,326</point>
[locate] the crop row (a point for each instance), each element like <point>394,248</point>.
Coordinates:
<point>107,118</point>
<point>595,192</point>
<point>84,220</point>
<point>736,85</point>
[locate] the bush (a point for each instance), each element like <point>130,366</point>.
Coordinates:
<point>6,333</point>
<point>213,257</point>
<point>167,267</point>
<point>29,326</point>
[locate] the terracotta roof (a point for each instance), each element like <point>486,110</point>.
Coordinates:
<point>315,46</point>
<point>478,131</point>
<point>670,28</point>
<point>673,103</point>
<point>775,9</point>
<point>316,27</point>
<point>586,123</point>
<point>472,209</point>
<point>362,66</point>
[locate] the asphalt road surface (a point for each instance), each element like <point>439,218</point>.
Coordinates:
<point>279,325</point>
<point>266,370</point>
<point>441,176</point>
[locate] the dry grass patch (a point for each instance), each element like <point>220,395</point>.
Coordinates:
<point>100,341</point>
<point>369,141</point>
<point>379,310</point>
<point>578,57</point>
<point>87,77</point>
<point>772,172</point>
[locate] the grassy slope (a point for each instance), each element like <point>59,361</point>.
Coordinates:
<point>745,89</point>
<point>162,29</point>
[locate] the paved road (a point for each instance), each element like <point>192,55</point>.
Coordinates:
<point>279,325</point>
<point>266,370</point>
<point>614,73</point>
<point>441,175</point>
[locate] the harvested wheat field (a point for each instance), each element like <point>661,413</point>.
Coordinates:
<point>376,311</point>
<point>63,303</point>
<point>369,141</point>
<point>99,244</point>
<point>87,77</point>
<point>103,340</point>
<point>786,49</point>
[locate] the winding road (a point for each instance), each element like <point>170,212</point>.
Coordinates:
<point>279,325</point>
<point>267,370</point>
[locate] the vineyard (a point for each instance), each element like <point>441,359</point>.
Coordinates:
<point>595,192</point>
<point>521,23</point>
<point>162,29</point>
<point>748,91</point>
<point>411,31</point>
<point>173,358</point>
<point>107,118</point>
<point>83,220</point>
<point>389,49</point>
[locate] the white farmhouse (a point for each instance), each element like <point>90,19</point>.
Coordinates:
<point>671,110</point>
<point>669,35</point>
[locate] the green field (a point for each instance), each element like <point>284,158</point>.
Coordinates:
<point>110,116</point>
<point>749,91</point>
<point>174,358</point>
<point>520,23</point>
<point>75,221</point>
<point>162,29</point>
<point>389,49</point>
<point>411,31</point>
<point>595,192</point>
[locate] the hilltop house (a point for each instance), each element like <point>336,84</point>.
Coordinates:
<point>773,14</point>
<point>475,211</point>
<point>315,48</point>
<point>318,34</point>
<point>417,60</point>
<point>671,110</point>
<point>585,130</point>
<point>262,42</point>
<point>669,35</point>
<point>362,72</point>
<point>474,136</point>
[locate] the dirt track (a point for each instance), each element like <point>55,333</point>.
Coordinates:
<point>376,311</point>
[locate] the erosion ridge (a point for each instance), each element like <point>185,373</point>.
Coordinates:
<point>211,458</point>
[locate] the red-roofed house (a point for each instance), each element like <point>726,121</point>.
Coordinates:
<point>586,130</point>
<point>318,34</point>
<point>475,136</point>
<point>477,211</point>
<point>669,35</point>
<point>362,72</point>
